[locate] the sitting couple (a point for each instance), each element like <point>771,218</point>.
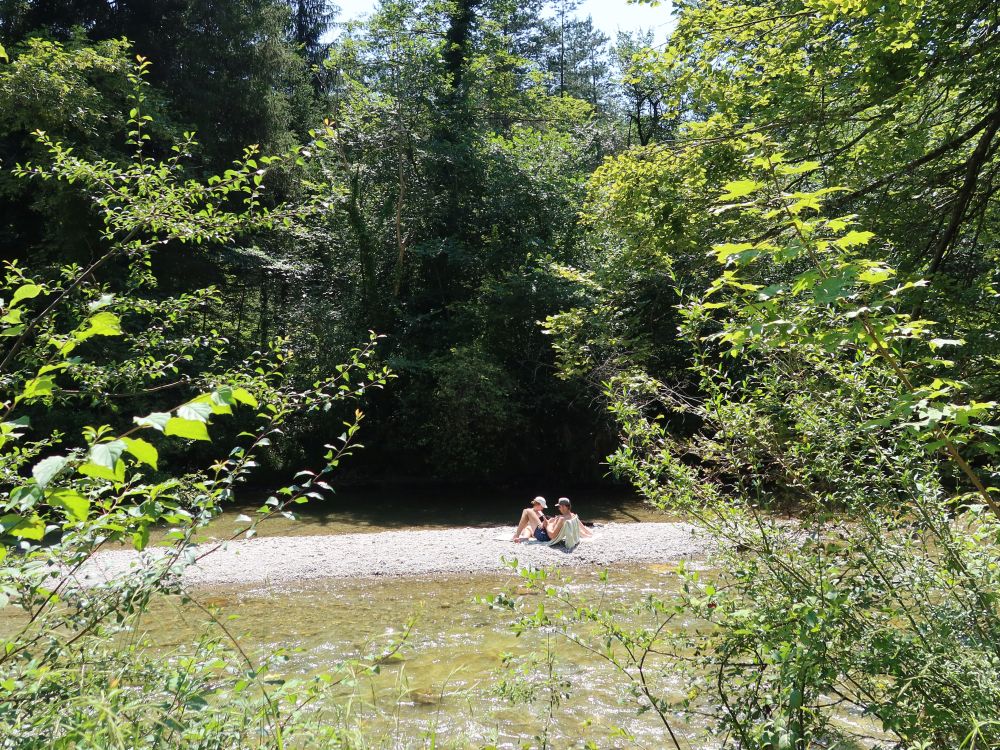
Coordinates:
<point>565,527</point>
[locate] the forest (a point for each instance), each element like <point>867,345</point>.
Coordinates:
<point>253,249</point>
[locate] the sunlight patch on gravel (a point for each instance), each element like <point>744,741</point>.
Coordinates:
<point>284,560</point>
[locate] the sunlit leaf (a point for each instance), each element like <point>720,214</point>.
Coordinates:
<point>855,238</point>
<point>157,420</point>
<point>47,468</point>
<point>876,275</point>
<point>37,387</point>
<point>726,250</point>
<point>187,428</point>
<point>75,504</point>
<point>114,474</point>
<point>739,189</point>
<point>103,324</point>
<point>140,538</point>
<point>244,396</point>
<point>27,291</point>
<point>107,454</point>
<point>24,528</point>
<point>195,411</point>
<point>144,452</point>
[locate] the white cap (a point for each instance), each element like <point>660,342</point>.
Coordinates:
<point>541,501</point>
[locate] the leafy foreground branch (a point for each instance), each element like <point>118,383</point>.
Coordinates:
<point>872,619</point>
<point>97,340</point>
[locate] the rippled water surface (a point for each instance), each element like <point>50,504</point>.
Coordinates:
<point>443,681</point>
<point>441,689</point>
<point>444,678</point>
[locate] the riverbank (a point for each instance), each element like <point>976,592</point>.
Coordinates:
<point>287,560</point>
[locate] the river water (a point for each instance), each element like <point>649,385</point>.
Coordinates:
<point>444,687</point>
<point>444,681</point>
<point>451,684</point>
<point>387,510</point>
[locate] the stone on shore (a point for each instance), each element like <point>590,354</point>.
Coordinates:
<point>287,560</point>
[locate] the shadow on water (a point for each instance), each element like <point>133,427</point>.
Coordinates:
<point>371,511</point>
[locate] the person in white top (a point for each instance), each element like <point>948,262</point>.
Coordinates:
<point>533,519</point>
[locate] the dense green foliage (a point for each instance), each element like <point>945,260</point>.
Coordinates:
<point>792,304</point>
<point>170,289</point>
<point>767,250</point>
<point>81,346</point>
<point>462,136</point>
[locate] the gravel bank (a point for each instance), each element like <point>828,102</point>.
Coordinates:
<point>287,560</point>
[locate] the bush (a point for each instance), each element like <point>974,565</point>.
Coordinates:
<point>95,340</point>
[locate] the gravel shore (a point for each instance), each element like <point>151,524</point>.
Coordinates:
<point>287,560</point>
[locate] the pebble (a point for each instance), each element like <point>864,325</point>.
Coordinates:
<point>287,560</point>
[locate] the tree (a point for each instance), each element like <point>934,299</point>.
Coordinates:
<point>646,104</point>
<point>463,172</point>
<point>229,67</point>
<point>97,341</point>
<point>311,20</point>
<point>767,315</point>
<point>577,57</point>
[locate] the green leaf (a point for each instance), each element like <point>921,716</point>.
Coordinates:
<point>829,290</point>
<point>739,189</point>
<point>800,168</point>
<point>195,411</point>
<point>223,395</point>
<point>47,468</point>
<point>75,504</point>
<point>219,401</point>
<point>103,324</point>
<point>141,538</point>
<point>876,275</point>
<point>157,420</point>
<point>936,344</point>
<point>144,452</point>
<point>23,528</point>
<point>15,316</point>
<point>116,474</point>
<point>54,367</point>
<point>107,454</point>
<point>28,291</point>
<point>245,397</point>
<point>854,238</point>
<point>724,251</point>
<point>27,495</point>
<point>3,54</point>
<point>187,428</point>
<point>37,387</point>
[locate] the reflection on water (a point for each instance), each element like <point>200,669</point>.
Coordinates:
<point>444,677</point>
<point>385,510</point>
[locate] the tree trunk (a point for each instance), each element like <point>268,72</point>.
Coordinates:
<point>457,38</point>
<point>262,324</point>
<point>366,248</point>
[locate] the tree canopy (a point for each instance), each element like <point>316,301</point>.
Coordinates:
<point>750,271</point>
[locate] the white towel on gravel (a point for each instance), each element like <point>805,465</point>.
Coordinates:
<point>569,533</point>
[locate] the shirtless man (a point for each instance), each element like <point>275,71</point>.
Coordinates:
<point>565,513</point>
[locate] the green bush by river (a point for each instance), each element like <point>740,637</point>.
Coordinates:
<point>744,265</point>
